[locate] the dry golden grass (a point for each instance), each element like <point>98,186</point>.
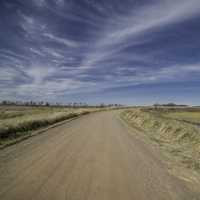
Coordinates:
<point>180,139</point>
<point>187,116</point>
<point>16,121</point>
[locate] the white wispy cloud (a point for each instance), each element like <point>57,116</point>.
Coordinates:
<point>12,54</point>
<point>53,52</point>
<point>36,51</point>
<point>38,73</point>
<point>8,74</point>
<point>125,29</point>
<point>31,25</point>
<point>175,73</point>
<point>49,67</point>
<point>64,41</point>
<point>152,16</point>
<point>44,82</point>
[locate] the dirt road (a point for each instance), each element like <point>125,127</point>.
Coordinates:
<point>91,158</point>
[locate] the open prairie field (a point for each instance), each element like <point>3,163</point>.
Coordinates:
<point>184,114</point>
<point>19,121</point>
<point>176,130</point>
<point>187,116</point>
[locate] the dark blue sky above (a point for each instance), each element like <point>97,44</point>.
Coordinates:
<point>130,51</point>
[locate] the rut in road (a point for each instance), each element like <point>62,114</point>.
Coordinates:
<point>91,158</point>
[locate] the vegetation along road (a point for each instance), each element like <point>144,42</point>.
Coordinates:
<point>92,158</point>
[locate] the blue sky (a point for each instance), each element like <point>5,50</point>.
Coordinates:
<point>130,52</point>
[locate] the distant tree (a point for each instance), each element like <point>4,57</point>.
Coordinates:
<point>156,105</point>
<point>102,105</point>
<point>170,104</point>
<point>4,102</point>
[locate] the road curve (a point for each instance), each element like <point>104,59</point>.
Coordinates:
<point>91,158</point>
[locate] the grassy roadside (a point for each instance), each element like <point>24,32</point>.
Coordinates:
<point>190,117</point>
<point>19,123</point>
<point>178,140</point>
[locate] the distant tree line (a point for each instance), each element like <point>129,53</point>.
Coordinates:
<point>48,104</point>
<point>169,105</point>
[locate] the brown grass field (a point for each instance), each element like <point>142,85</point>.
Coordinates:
<point>175,130</point>
<point>19,121</point>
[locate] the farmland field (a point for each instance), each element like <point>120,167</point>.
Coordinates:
<point>187,116</point>
<point>18,121</point>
